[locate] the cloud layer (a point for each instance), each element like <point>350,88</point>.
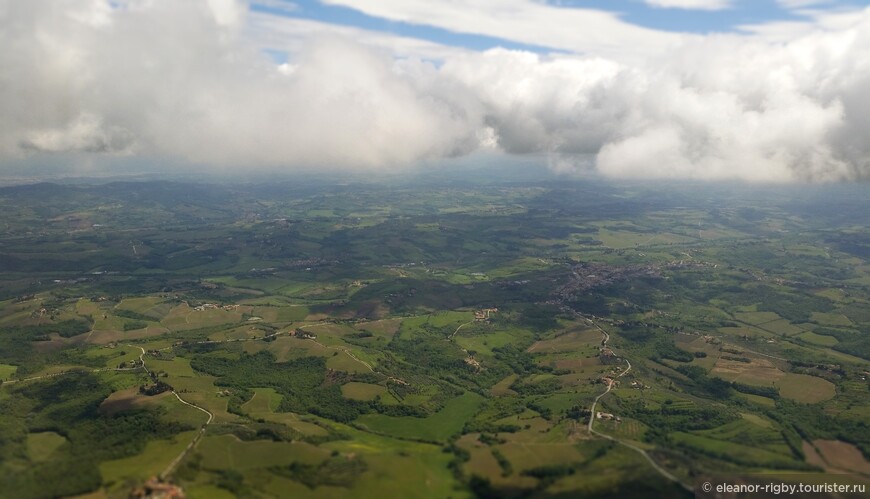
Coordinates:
<point>188,80</point>
<point>536,23</point>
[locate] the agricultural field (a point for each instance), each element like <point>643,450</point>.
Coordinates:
<point>437,427</point>
<point>360,338</point>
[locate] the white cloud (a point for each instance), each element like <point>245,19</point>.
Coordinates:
<point>797,4</point>
<point>170,79</point>
<point>85,133</point>
<point>183,80</point>
<point>691,4</point>
<point>532,22</point>
<point>228,13</point>
<point>292,35</point>
<point>813,20</point>
<point>727,107</point>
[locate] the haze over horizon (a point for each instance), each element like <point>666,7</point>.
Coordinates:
<point>765,91</point>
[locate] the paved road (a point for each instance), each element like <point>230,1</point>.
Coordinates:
<point>142,366</point>
<point>169,469</point>
<point>663,472</point>
<point>457,329</point>
<point>605,392</point>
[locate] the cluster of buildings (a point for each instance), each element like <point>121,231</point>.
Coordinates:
<point>483,315</point>
<point>586,276</point>
<point>213,306</point>
<point>607,380</point>
<point>471,361</point>
<point>153,488</point>
<point>303,334</point>
<point>606,416</point>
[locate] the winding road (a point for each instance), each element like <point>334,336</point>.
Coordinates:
<point>192,445</point>
<point>169,469</point>
<point>592,431</point>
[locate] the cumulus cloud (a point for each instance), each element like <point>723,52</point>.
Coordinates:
<point>174,78</point>
<point>85,133</point>
<point>725,108</point>
<point>188,80</point>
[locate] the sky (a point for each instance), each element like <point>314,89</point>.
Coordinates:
<point>750,90</point>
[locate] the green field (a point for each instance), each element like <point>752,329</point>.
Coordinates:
<point>158,454</point>
<point>757,399</point>
<point>740,453</point>
<point>807,389</point>
<point>41,446</point>
<point>831,319</point>
<point>363,391</point>
<point>228,452</point>
<point>264,404</point>
<point>344,362</point>
<point>756,318</point>
<point>437,427</point>
<point>6,371</point>
<point>485,342</point>
<point>818,339</point>
<point>264,400</point>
